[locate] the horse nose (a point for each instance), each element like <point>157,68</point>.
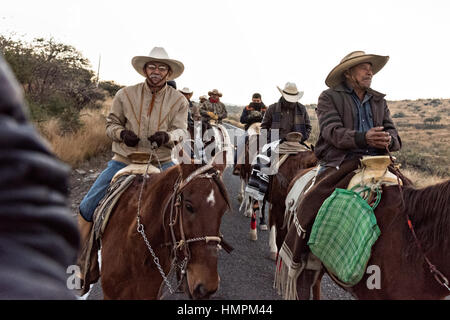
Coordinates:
<point>200,292</point>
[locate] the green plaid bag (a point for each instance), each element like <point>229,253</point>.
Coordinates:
<point>343,234</point>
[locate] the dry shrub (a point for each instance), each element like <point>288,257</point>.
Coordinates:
<point>421,179</point>
<point>75,148</point>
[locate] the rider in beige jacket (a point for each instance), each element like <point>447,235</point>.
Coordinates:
<point>131,111</point>
<point>146,115</point>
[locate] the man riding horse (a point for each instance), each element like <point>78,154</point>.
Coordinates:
<point>147,115</point>
<point>213,108</point>
<point>354,121</point>
<point>253,113</point>
<point>283,117</point>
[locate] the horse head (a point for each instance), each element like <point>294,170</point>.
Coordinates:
<point>202,200</point>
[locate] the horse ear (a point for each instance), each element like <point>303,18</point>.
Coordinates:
<point>220,161</point>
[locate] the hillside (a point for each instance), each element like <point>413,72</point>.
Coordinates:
<point>423,126</point>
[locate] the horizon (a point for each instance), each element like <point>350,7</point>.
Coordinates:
<point>252,46</point>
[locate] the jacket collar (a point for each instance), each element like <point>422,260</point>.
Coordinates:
<point>148,90</point>
<point>343,88</point>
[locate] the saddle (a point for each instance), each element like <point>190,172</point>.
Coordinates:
<point>294,256</point>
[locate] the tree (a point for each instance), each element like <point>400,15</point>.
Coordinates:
<point>56,78</point>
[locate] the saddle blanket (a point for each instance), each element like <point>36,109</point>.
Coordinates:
<point>88,259</point>
<point>294,196</point>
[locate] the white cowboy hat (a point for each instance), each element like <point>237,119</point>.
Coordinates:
<point>158,54</point>
<point>214,91</point>
<point>290,92</point>
<point>353,59</point>
<point>186,90</point>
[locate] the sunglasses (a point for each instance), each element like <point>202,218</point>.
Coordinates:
<point>161,68</point>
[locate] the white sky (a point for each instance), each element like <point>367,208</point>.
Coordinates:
<point>242,46</point>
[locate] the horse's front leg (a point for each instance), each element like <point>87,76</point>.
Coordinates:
<point>254,205</point>
<point>272,243</point>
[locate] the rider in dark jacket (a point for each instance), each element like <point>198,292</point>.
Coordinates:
<point>38,237</point>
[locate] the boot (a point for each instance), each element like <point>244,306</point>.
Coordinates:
<point>84,228</point>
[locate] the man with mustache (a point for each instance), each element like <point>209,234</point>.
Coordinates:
<point>148,115</point>
<point>354,119</point>
<point>213,108</point>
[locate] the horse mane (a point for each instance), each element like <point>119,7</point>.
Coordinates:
<point>428,208</point>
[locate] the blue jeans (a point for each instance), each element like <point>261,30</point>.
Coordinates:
<point>100,186</point>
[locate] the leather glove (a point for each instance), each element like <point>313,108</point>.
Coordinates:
<point>255,115</point>
<point>129,137</point>
<point>212,115</point>
<point>159,138</point>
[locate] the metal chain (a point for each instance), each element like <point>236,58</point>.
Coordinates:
<point>140,227</point>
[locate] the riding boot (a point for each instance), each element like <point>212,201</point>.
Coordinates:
<point>84,227</point>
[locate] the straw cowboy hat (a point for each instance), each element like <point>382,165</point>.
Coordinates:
<point>202,97</point>
<point>186,90</point>
<point>290,92</point>
<point>158,54</point>
<point>214,91</point>
<point>353,59</point>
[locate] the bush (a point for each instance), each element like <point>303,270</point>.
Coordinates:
<point>399,115</point>
<point>110,86</point>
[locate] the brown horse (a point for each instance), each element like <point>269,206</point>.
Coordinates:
<point>277,192</point>
<point>177,227</point>
<point>403,266</point>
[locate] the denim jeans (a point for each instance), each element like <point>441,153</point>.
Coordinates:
<point>100,186</point>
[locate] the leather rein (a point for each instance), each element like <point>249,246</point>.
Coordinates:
<point>175,203</point>
<point>438,276</point>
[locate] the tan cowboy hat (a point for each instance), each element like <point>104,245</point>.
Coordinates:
<point>290,92</point>
<point>202,97</point>
<point>353,59</point>
<point>186,90</point>
<point>214,91</point>
<point>158,54</point>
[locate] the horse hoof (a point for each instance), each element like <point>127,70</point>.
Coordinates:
<point>253,235</point>
<point>273,256</point>
<point>247,213</point>
<point>263,227</point>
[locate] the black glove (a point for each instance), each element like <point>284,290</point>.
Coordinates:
<point>129,137</point>
<point>159,138</point>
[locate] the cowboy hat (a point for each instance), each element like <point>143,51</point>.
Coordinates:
<point>158,54</point>
<point>214,91</point>
<point>186,90</point>
<point>353,59</point>
<point>290,92</point>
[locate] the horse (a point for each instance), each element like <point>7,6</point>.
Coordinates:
<point>243,167</point>
<point>169,222</point>
<point>206,139</point>
<point>409,260</point>
<point>277,192</point>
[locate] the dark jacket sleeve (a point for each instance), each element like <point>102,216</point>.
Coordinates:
<point>38,237</point>
<point>244,116</point>
<point>308,126</point>
<point>267,120</point>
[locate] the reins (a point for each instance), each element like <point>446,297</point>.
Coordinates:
<point>438,276</point>
<point>175,202</point>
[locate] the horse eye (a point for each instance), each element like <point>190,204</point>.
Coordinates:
<point>189,208</point>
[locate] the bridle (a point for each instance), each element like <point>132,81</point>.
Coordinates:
<point>176,215</point>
